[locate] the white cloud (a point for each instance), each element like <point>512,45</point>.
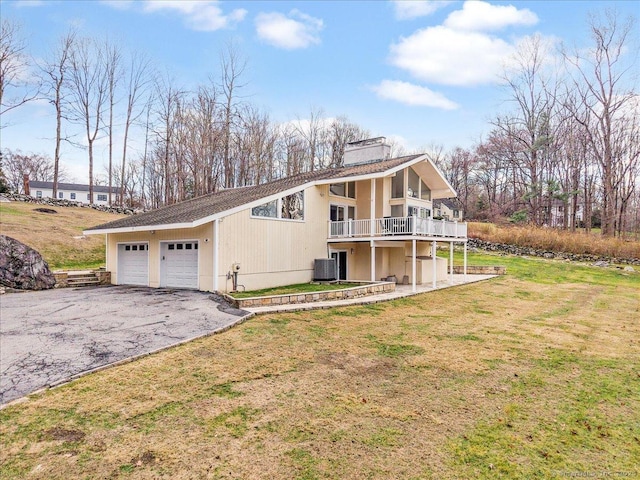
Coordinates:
<point>449,57</point>
<point>482,16</point>
<point>296,30</point>
<point>198,14</point>
<point>411,94</point>
<point>409,9</point>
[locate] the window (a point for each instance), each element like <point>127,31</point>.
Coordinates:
<point>172,246</point>
<point>397,185</point>
<point>73,196</point>
<point>39,194</point>
<point>397,211</point>
<point>419,212</point>
<point>266,210</point>
<point>60,195</point>
<point>102,198</point>
<point>290,207</point>
<point>88,197</point>
<point>134,248</point>
<point>347,189</point>
<point>188,246</point>
<point>425,193</point>
<point>456,213</point>
<point>179,246</point>
<point>413,190</point>
<point>127,248</point>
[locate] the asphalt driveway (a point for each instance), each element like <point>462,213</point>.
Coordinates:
<point>48,337</point>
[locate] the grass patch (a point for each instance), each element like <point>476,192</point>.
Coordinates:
<point>294,289</point>
<point>57,237</point>
<point>425,387</point>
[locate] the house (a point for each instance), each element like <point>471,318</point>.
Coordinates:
<point>447,208</point>
<point>559,213</point>
<point>373,216</point>
<point>71,191</point>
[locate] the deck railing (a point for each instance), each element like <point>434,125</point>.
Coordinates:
<point>390,226</point>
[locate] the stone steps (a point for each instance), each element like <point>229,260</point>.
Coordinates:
<point>82,280</point>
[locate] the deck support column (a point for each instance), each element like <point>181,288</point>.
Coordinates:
<point>451,261</point>
<point>433,258</point>
<point>373,261</point>
<point>215,254</point>
<point>464,268</point>
<point>413,265</point>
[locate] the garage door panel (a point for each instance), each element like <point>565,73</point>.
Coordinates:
<point>179,266</point>
<point>133,264</point>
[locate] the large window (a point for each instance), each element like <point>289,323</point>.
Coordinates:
<point>416,188</point>
<point>60,194</point>
<point>102,198</point>
<point>347,189</point>
<point>290,207</point>
<point>397,185</point>
<point>73,196</point>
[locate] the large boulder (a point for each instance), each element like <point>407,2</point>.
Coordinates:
<point>22,267</point>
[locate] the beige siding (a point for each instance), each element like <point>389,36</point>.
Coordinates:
<point>274,252</point>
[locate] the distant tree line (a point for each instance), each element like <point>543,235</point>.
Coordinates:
<point>571,135</point>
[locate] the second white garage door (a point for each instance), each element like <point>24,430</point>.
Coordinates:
<point>179,264</point>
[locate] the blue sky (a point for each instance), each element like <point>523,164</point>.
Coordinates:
<point>421,72</point>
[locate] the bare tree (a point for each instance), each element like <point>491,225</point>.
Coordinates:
<point>138,81</point>
<point>233,67</point>
<point>599,81</point>
<point>55,72</point>
<point>113,71</point>
<point>89,91</point>
<point>14,66</point>
<point>17,164</point>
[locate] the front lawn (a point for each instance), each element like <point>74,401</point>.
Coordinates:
<point>535,374</point>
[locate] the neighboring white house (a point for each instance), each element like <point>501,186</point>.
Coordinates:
<point>447,208</point>
<point>71,191</point>
<point>373,216</point>
<point>560,214</point>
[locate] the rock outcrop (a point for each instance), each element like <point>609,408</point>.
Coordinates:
<point>22,267</point>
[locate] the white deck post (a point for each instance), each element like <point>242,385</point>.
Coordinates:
<point>373,208</point>
<point>464,268</point>
<point>451,261</point>
<point>413,266</point>
<point>433,259</point>
<point>215,254</point>
<point>373,262</point>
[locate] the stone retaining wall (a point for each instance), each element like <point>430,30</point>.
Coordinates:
<point>532,252</point>
<point>353,292</point>
<point>56,202</point>
<point>480,270</point>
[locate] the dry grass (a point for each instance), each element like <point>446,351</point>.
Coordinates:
<point>58,237</point>
<point>556,240</point>
<point>513,378</point>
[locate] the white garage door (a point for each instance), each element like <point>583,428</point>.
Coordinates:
<point>179,264</point>
<point>133,264</point>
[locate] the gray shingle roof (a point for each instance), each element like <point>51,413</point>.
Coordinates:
<point>200,207</point>
<point>450,203</point>
<point>77,187</point>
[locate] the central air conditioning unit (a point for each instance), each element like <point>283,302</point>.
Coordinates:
<point>324,269</point>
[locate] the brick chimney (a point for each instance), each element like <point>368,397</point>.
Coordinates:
<point>25,180</point>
